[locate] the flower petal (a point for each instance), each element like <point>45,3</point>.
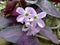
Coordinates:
<point>40,23</point>
<point>29,33</point>
<point>31,19</point>
<point>27,19</point>
<point>30,11</point>
<point>42,14</point>
<point>33,24</point>
<point>20,10</point>
<point>35,31</point>
<point>27,23</point>
<point>20,18</point>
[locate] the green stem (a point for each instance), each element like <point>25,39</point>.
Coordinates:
<point>39,36</point>
<point>58,26</point>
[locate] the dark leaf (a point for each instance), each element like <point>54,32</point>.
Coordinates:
<point>38,10</point>
<point>28,40</point>
<point>47,32</point>
<point>12,18</point>
<point>9,6</point>
<point>56,1</point>
<point>11,33</point>
<point>48,7</point>
<point>13,12</point>
<point>14,34</point>
<point>4,22</point>
<point>22,3</point>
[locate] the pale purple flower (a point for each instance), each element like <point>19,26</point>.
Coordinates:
<point>31,19</point>
<point>25,15</point>
<point>31,29</point>
<point>36,25</point>
<point>38,19</point>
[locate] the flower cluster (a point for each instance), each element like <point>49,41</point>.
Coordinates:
<point>32,20</point>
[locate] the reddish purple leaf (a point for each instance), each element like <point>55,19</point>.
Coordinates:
<point>11,33</point>
<point>46,6</point>
<point>12,18</point>
<point>56,1</point>
<point>4,22</point>
<point>22,3</point>
<point>47,32</point>
<point>9,7</point>
<point>28,40</point>
<point>14,34</point>
<point>13,12</point>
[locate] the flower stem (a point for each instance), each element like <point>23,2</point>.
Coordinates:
<point>39,36</point>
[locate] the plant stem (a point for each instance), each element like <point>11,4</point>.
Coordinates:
<point>58,26</point>
<point>39,36</point>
